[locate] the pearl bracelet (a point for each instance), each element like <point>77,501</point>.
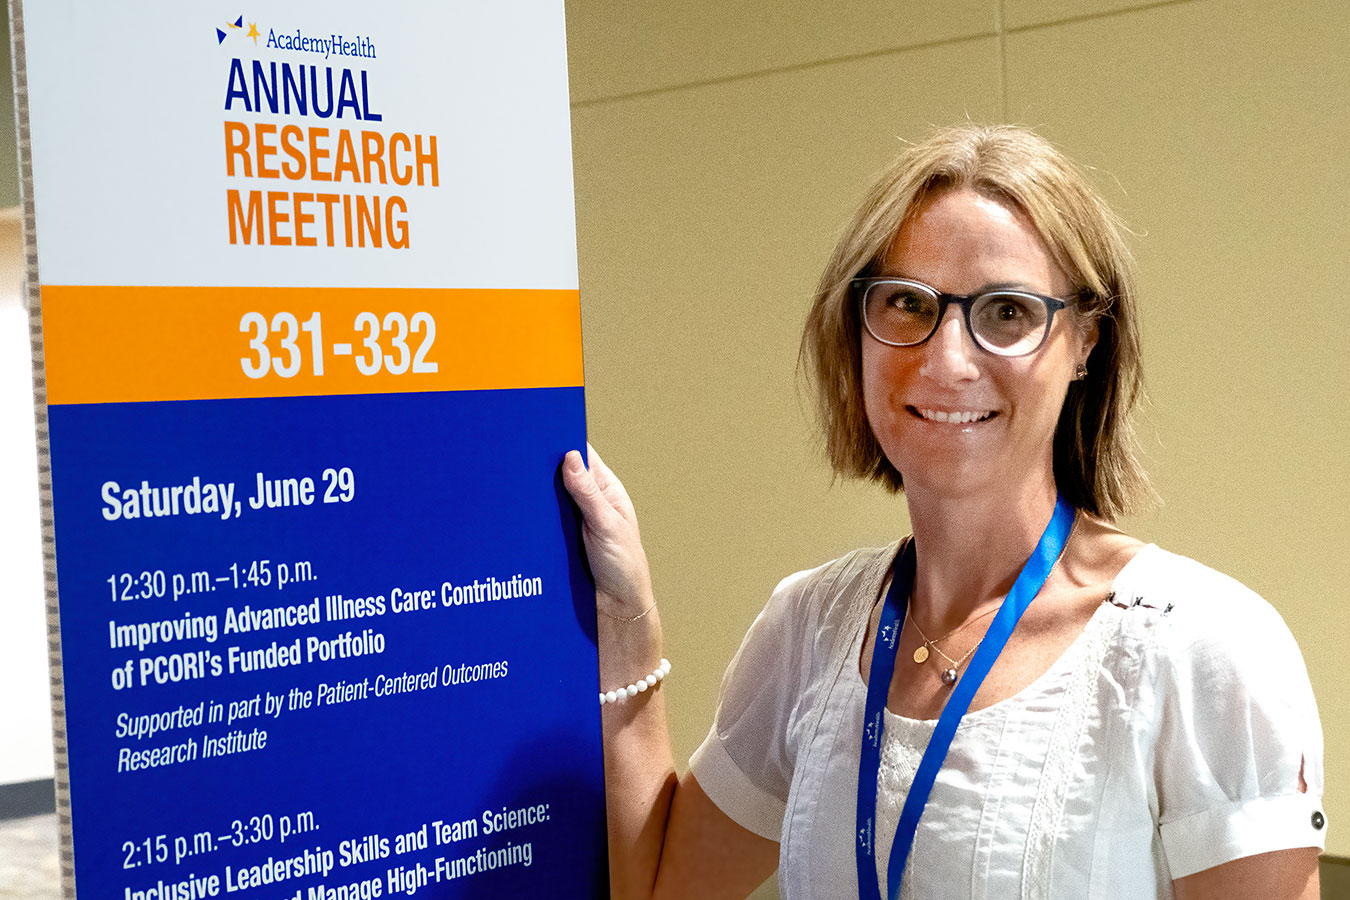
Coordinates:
<point>637,687</point>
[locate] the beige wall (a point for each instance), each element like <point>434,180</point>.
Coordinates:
<point>719,145</point>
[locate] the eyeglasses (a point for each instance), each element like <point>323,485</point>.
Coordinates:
<point>905,313</point>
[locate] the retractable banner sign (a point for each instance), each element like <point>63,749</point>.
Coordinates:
<point>308,356</point>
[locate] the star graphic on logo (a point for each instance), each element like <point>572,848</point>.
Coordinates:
<point>253,32</point>
<point>237,23</point>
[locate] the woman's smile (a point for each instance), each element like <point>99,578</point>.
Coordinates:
<point>951,417</point>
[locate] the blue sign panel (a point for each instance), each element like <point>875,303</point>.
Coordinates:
<point>303,660</point>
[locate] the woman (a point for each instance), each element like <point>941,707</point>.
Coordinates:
<point>1147,729</point>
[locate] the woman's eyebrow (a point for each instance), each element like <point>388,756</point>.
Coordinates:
<point>982,289</point>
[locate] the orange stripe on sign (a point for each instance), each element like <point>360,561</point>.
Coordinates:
<point>120,344</point>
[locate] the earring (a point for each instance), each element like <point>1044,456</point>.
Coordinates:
<point>1081,372</point>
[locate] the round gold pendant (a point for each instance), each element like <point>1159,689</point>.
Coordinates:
<point>921,654</point>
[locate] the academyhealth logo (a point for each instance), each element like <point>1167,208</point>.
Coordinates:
<point>237,25</point>
<point>327,44</point>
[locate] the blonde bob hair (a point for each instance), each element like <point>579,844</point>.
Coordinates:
<point>1096,462</point>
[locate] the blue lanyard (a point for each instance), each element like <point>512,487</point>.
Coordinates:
<point>1028,584</point>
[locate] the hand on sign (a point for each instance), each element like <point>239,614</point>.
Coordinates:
<point>610,529</point>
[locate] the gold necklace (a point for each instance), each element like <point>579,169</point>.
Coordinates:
<point>949,675</point>
<point>921,653</point>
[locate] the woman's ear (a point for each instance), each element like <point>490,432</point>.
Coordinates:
<point>1088,332</point>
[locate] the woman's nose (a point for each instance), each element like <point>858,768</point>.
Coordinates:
<point>950,355</point>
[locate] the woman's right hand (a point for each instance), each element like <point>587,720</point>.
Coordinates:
<point>663,841</point>
<point>610,530</point>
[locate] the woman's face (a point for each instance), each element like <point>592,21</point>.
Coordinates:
<point>961,242</point>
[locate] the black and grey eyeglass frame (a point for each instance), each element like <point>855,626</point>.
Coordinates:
<point>1006,322</point>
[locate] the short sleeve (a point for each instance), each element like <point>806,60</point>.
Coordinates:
<point>746,763</point>
<point>1237,725</point>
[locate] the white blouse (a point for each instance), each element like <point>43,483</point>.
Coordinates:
<point>1167,739</point>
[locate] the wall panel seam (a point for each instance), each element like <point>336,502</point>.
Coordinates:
<point>1107,14</point>
<point>1002,11</point>
<point>779,70</point>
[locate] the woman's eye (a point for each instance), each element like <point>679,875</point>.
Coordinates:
<point>909,302</point>
<point>1004,310</point>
